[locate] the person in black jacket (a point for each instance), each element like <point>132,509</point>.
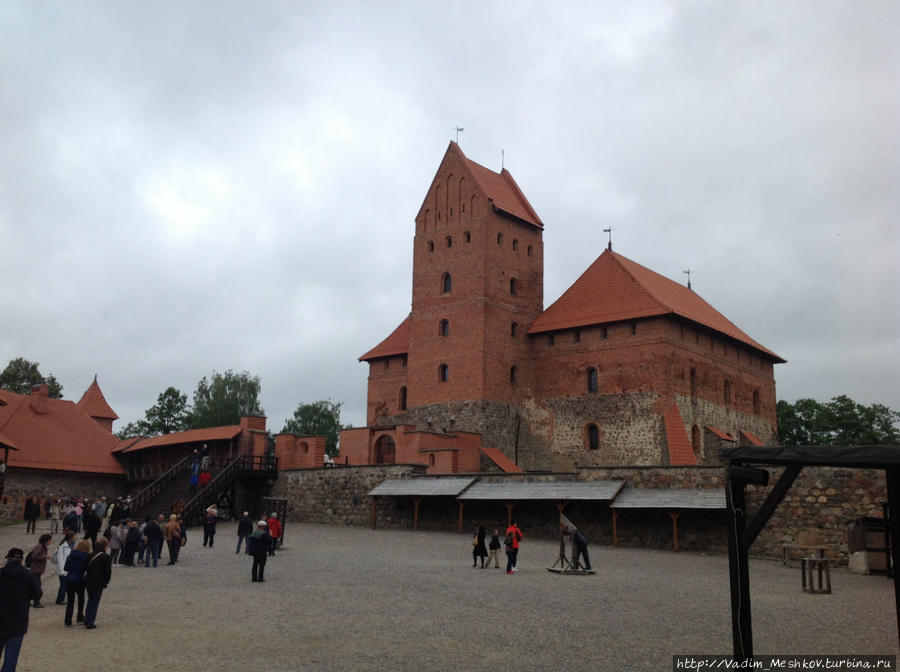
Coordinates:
<point>32,512</point>
<point>91,525</point>
<point>18,588</point>
<point>245,529</point>
<point>97,573</point>
<point>154,535</point>
<point>259,549</point>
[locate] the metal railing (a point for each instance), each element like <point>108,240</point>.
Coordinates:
<point>142,498</point>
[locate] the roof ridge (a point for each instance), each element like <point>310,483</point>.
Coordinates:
<point>649,292</point>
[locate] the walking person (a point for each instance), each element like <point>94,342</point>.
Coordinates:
<point>91,525</point>
<point>117,541</point>
<point>260,543</point>
<point>75,565</point>
<point>32,511</point>
<point>132,542</point>
<point>274,526</point>
<point>172,533</point>
<point>38,562</point>
<point>513,537</point>
<point>244,530</point>
<point>209,526</point>
<point>18,589</point>
<point>55,515</point>
<point>494,547</point>
<point>479,550</point>
<point>59,558</point>
<point>154,535</point>
<point>97,573</point>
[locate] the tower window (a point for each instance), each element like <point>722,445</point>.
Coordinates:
<point>513,287</point>
<point>448,241</point>
<point>443,375</point>
<point>695,440</point>
<point>513,375</point>
<point>431,246</point>
<point>530,251</point>
<point>467,236</point>
<point>727,391</point>
<point>514,330</point>
<point>499,238</point>
<point>592,380</point>
<point>551,340</point>
<point>387,364</point>
<point>633,328</point>
<point>444,328</point>
<point>593,437</point>
<point>576,337</point>
<point>446,283</point>
<point>756,402</point>
<point>693,382</point>
<point>603,333</point>
<point>515,245</point>
<point>401,402</point>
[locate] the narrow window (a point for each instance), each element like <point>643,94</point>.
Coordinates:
<point>467,236</point>
<point>576,337</point>
<point>443,375</point>
<point>448,241</point>
<point>515,245</point>
<point>592,380</point>
<point>513,287</point>
<point>431,246</point>
<point>499,238</point>
<point>401,403</point>
<point>695,440</point>
<point>727,391</point>
<point>551,340</point>
<point>633,328</point>
<point>387,364</point>
<point>451,212</point>
<point>756,402</point>
<point>514,330</point>
<point>593,437</point>
<point>403,361</point>
<point>604,333</point>
<point>530,251</point>
<point>693,382</point>
<point>431,459</point>
<point>446,283</point>
<point>444,328</point>
<point>513,375</point>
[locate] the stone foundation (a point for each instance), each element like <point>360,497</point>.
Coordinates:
<point>22,483</point>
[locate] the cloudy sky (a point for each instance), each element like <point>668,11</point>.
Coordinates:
<point>196,187</point>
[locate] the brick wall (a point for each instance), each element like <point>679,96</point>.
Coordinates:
<point>299,452</point>
<point>22,483</point>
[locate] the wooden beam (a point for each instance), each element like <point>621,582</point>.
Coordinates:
<point>892,476</point>
<point>509,510</point>
<point>462,505</point>
<point>615,529</point>
<point>772,501</point>
<point>674,517</point>
<point>374,511</point>
<point>416,501</point>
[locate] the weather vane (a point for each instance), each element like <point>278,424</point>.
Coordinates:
<point>609,231</point>
<point>687,272</point>
<point>458,129</point>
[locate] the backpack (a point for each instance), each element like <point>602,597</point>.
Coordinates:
<point>28,559</point>
<point>508,542</point>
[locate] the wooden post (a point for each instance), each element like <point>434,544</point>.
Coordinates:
<point>615,515</point>
<point>416,501</point>
<point>560,506</point>
<point>462,505</point>
<point>509,510</point>
<point>674,517</point>
<point>738,569</point>
<point>892,476</point>
<point>374,510</point>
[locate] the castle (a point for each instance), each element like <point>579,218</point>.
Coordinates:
<point>626,368</point>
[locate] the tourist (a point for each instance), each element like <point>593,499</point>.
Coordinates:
<point>172,533</point>
<point>209,526</point>
<point>479,550</point>
<point>204,480</point>
<point>99,510</point>
<point>193,483</point>
<point>18,588</point>
<point>32,511</point>
<point>260,544</point>
<point>513,537</point>
<point>91,526</point>
<point>75,579</point>
<point>70,520</point>
<point>59,559</point>
<point>55,515</point>
<point>274,526</point>
<point>244,530</point>
<point>494,547</point>
<point>580,543</point>
<point>38,562</point>
<point>204,458</point>
<point>97,573</point>
<point>154,536</point>
<point>117,542</point>
<point>161,522</point>
<point>132,543</point>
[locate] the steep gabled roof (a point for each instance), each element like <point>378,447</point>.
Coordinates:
<point>395,344</point>
<point>224,433</point>
<point>94,403</point>
<point>55,434</point>
<point>614,289</point>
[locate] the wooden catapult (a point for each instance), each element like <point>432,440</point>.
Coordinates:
<point>563,565</point>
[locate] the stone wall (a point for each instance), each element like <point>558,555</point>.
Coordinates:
<point>22,483</point>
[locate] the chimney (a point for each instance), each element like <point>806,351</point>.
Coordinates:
<point>39,396</point>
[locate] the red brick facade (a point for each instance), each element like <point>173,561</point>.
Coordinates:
<point>588,381</point>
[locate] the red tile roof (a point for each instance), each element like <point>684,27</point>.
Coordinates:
<point>395,344</point>
<point>725,436</point>
<point>94,403</point>
<point>502,461</point>
<point>680,451</point>
<point>224,433</point>
<point>752,438</point>
<point>614,289</point>
<point>55,434</point>
<point>501,189</point>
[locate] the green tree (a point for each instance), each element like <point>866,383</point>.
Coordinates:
<point>840,421</point>
<point>20,376</point>
<point>169,414</point>
<point>224,399</point>
<point>319,418</point>
<point>131,430</point>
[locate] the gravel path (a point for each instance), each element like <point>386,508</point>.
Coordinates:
<point>357,599</point>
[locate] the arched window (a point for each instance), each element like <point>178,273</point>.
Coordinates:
<point>443,374</point>
<point>401,402</point>
<point>593,437</point>
<point>530,251</point>
<point>513,375</point>
<point>592,380</point>
<point>513,287</point>
<point>446,283</point>
<point>695,440</point>
<point>385,450</point>
<point>756,402</point>
<point>499,238</point>
<point>444,328</point>
<point>448,241</point>
<point>693,382</point>
<point>727,390</point>
<point>431,460</point>
<point>514,330</point>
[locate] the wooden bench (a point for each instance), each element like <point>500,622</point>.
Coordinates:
<point>806,542</point>
<point>807,565</point>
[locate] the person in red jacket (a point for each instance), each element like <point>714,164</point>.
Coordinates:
<point>513,537</point>
<point>274,531</point>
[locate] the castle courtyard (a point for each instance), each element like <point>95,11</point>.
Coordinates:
<point>360,599</point>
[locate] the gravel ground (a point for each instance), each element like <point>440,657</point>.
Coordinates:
<point>357,599</point>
